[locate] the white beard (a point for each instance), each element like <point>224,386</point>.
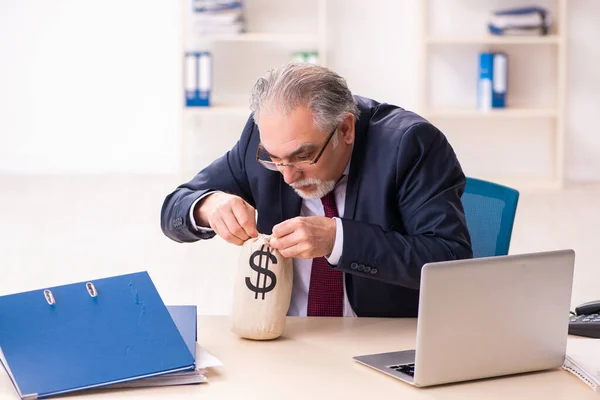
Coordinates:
<point>323,187</point>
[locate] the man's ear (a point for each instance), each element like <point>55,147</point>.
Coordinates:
<point>347,129</point>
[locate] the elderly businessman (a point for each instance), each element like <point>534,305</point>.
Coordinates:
<point>361,194</point>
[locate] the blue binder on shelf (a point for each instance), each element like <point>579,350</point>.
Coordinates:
<point>484,84</point>
<point>198,69</point>
<point>88,335</point>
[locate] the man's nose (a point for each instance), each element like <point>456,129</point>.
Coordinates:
<point>290,174</point>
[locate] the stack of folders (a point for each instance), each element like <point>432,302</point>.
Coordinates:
<point>583,360</point>
<point>216,17</point>
<point>524,21</point>
<point>106,333</point>
<point>493,81</point>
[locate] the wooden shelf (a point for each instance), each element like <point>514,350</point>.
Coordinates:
<point>258,37</point>
<point>452,113</point>
<point>490,39</point>
<point>220,109</point>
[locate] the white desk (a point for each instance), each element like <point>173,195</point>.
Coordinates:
<point>313,360</point>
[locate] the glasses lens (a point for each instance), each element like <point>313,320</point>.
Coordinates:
<point>265,160</point>
<point>302,165</point>
<point>270,165</point>
<point>263,155</point>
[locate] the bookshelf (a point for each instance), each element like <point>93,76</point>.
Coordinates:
<point>219,109</point>
<point>514,112</point>
<point>263,37</point>
<point>489,39</point>
<point>535,101</point>
<point>274,31</point>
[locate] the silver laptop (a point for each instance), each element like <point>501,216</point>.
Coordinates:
<point>486,317</point>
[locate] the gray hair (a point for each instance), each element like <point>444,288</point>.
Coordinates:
<point>292,85</point>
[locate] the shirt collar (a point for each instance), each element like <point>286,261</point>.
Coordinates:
<point>347,169</point>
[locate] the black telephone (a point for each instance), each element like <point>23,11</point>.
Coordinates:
<point>586,320</point>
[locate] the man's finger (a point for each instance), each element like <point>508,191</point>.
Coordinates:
<point>244,213</point>
<point>285,228</point>
<point>234,227</point>
<point>252,213</point>
<point>292,251</point>
<point>220,227</point>
<point>285,242</point>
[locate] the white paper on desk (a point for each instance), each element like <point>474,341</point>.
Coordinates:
<point>583,360</point>
<point>179,378</point>
<point>204,360</point>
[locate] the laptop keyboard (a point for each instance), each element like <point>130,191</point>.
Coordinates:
<point>408,369</point>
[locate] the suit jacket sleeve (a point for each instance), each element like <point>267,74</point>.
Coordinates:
<point>430,184</point>
<point>226,174</point>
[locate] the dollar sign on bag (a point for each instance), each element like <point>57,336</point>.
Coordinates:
<point>261,287</point>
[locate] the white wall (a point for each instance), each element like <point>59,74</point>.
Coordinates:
<point>89,86</point>
<point>375,48</point>
<point>583,95</point>
<point>95,87</point>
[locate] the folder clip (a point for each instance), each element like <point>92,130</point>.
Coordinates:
<point>49,297</point>
<point>91,289</point>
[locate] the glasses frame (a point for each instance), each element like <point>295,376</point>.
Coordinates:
<point>273,166</point>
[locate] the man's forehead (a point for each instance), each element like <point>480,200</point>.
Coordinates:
<point>294,128</point>
<point>284,148</point>
<point>299,119</point>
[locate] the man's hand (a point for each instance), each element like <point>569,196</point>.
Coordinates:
<point>228,215</point>
<point>304,237</point>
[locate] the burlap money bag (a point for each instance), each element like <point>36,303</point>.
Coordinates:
<point>262,291</point>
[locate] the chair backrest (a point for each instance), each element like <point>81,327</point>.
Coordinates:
<point>490,212</point>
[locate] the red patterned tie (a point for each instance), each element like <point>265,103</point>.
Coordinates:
<point>326,290</point>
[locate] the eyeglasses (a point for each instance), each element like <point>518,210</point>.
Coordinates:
<point>300,165</point>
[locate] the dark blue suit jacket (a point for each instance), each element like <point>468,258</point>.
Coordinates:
<point>403,206</point>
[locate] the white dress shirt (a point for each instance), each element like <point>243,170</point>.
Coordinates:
<point>303,266</point>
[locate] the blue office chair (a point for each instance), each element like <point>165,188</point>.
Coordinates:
<point>490,211</point>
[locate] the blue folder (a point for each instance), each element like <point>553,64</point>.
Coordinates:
<point>87,335</point>
<point>185,318</point>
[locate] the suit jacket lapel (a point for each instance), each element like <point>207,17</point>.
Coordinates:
<point>358,157</point>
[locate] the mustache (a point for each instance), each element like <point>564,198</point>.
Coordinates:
<point>306,182</point>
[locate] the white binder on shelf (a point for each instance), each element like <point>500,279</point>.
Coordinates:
<point>198,78</point>
<point>499,80</point>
